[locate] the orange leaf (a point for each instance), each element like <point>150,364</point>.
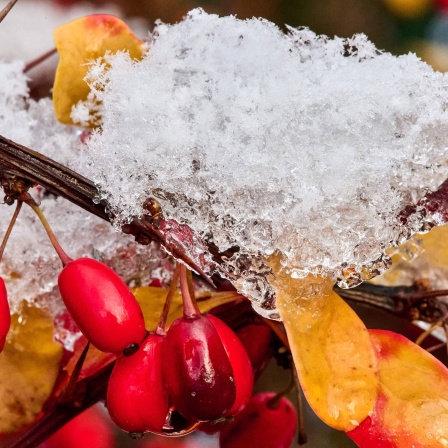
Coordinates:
<point>412,410</point>
<point>331,348</point>
<point>78,42</point>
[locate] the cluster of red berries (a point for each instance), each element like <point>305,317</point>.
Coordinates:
<point>168,382</point>
<point>198,369</point>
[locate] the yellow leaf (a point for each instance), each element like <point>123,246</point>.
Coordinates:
<point>152,299</point>
<point>29,365</point>
<point>78,42</point>
<point>413,407</point>
<point>331,349</point>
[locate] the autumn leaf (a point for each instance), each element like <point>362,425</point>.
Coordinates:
<point>331,348</point>
<point>152,299</point>
<point>412,409</point>
<point>78,42</point>
<point>29,366</point>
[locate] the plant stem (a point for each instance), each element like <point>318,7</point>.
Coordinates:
<point>191,309</point>
<point>65,259</point>
<point>273,402</point>
<point>35,62</point>
<point>161,327</point>
<point>10,227</point>
<point>302,437</point>
<point>5,11</point>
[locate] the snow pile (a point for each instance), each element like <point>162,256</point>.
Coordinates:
<point>262,141</point>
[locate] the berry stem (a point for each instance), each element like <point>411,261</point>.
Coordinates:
<point>161,327</point>
<point>274,401</point>
<point>301,434</point>
<point>68,394</point>
<point>35,62</point>
<point>65,259</point>
<point>9,229</point>
<point>191,309</point>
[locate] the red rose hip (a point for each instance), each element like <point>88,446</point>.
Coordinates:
<point>102,305</point>
<point>136,397</point>
<point>265,422</point>
<point>5,314</point>
<point>207,372</point>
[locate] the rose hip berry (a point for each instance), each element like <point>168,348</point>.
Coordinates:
<point>102,305</point>
<point>268,421</point>
<point>207,372</point>
<point>5,315</point>
<point>89,429</point>
<point>136,397</point>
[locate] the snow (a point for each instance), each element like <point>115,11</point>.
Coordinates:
<point>269,142</point>
<point>263,142</point>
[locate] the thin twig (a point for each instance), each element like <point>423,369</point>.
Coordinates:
<point>161,326</point>
<point>301,433</point>
<point>35,62</point>
<point>65,259</point>
<point>5,11</point>
<point>10,227</point>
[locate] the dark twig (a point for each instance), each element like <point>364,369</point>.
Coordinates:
<point>408,302</point>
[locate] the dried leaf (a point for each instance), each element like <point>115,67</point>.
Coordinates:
<point>78,42</point>
<point>412,410</point>
<point>29,366</point>
<point>152,299</point>
<point>331,349</point>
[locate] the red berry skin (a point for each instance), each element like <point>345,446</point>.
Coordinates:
<point>102,305</point>
<point>241,365</point>
<point>89,429</point>
<point>198,374</point>
<point>259,425</point>
<point>5,314</point>
<point>257,341</point>
<point>137,400</point>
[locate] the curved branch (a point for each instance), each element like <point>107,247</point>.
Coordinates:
<point>18,161</point>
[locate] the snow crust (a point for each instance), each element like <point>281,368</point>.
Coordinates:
<point>264,141</point>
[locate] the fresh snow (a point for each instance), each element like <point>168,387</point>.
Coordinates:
<point>261,141</point>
